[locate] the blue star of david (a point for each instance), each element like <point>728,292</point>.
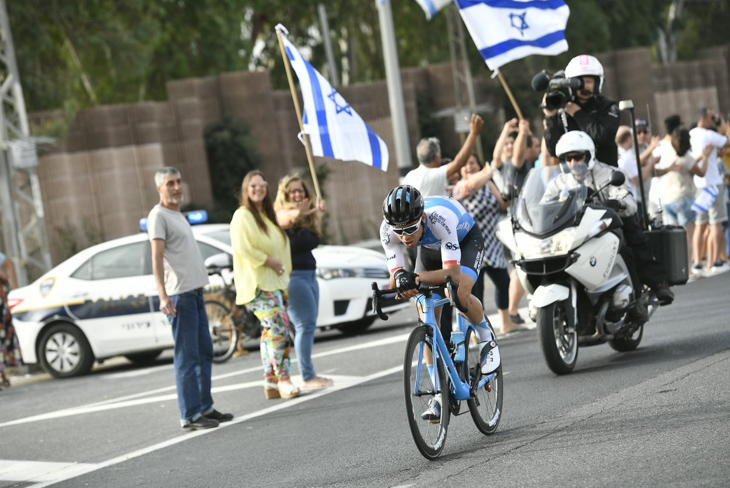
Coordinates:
<point>519,18</point>
<point>339,108</point>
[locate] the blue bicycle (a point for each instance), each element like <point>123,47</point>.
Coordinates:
<point>428,360</point>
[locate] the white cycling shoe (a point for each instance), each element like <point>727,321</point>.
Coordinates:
<point>489,357</point>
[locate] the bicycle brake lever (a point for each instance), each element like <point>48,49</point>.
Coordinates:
<point>376,302</point>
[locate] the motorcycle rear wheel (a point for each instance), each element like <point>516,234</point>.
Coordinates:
<point>558,341</point>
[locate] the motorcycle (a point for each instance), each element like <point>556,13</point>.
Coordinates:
<point>566,250</point>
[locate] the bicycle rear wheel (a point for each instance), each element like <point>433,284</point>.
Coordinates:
<point>485,406</point>
<point>223,330</point>
<point>420,391</point>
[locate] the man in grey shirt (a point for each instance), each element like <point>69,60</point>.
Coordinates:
<point>180,276</point>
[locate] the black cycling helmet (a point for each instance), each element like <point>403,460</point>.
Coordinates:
<point>403,205</point>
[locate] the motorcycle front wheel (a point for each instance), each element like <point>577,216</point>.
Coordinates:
<point>558,340</point>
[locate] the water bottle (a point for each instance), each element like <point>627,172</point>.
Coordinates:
<point>457,340</point>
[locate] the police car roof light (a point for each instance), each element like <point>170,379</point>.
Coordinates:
<point>193,217</point>
<point>197,217</point>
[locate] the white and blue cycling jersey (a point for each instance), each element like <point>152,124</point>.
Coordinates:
<point>447,223</point>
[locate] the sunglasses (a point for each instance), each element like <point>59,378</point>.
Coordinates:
<point>408,230</point>
<point>296,190</point>
<point>574,157</point>
<point>642,131</point>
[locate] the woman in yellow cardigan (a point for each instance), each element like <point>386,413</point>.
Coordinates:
<point>261,266</point>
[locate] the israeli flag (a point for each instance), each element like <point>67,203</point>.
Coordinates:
<point>432,7</point>
<point>705,199</point>
<point>506,30</point>
<point>335,130</point>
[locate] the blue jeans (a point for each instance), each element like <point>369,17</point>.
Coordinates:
<point>193,355</point>
<point>303,308</point>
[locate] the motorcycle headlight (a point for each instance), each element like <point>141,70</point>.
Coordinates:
<point>532,248</point>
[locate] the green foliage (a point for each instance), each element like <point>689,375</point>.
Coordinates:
<point>110,51</point>
<point>232,152</point>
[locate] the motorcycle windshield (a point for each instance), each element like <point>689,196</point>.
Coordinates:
<point>549,199</point>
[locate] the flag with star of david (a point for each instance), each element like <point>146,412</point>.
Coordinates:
<point>506,30</point>
<point>335,130</point>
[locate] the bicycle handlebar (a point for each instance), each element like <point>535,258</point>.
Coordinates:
<point>452,286</point>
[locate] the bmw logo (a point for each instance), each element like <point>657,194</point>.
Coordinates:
<point>593,261</point>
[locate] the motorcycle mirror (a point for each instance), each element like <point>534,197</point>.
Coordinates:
<point>617,178</point>
<point>625,104</point>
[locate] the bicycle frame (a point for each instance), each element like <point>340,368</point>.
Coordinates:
<point>426,304</point>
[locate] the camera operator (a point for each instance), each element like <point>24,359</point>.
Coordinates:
<point>584,109</point>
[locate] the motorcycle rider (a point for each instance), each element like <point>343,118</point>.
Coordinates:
<point>448,243</point>
<point>577,151</point>
<point>590,112</point>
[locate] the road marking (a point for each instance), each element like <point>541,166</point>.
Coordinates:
<point>39,471</point>
<point>115,404</point>
<point>68,471</point>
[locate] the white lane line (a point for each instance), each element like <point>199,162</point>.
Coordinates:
<point>38,471</point>
<point>86,409</point>
<point>73,471</point>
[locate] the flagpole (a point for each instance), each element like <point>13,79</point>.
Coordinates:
<point>509,94</point>
<point>305,136</point>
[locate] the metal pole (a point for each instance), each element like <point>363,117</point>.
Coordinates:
<point>395,87</point>
<point>332,67</point>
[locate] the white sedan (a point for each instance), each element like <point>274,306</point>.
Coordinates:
<point>103,302</point>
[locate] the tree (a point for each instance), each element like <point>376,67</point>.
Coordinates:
<point>232,152</point>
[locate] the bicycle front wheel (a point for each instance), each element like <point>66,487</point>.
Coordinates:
<point>485,406</point>
<point>223,330</point>
<point>425,392</point>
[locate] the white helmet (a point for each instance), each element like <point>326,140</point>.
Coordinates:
<point>576,141</point>
<point>585,65</point>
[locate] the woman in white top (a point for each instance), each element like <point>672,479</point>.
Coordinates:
<point>679,190</point>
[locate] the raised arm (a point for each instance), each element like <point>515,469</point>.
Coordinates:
<point>509,127</point>
<point>520,146</point>
<point>475,127</point>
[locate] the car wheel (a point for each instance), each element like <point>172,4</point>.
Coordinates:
<point>144,358</point>
<point>64,351</point>
<point>356,327</point>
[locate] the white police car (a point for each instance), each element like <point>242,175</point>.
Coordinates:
<point>103,302</point>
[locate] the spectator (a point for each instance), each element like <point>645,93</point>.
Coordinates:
<point>679,189</point>
<point>626,159</point>
<point>589,111</point>
<point>301,218</point>
<point>180,276</point>
<point>706,133</point>
<point>261,267</point>
<point>648,155</point>
<point>512,177</point>
<point>10,356</point>
<point>481,198</point>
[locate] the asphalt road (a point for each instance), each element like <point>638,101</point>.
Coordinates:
<point>657,416</point>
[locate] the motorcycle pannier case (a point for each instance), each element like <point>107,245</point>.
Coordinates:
<point>670,247</point>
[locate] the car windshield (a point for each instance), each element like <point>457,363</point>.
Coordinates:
<point>548,200</point>
<point>223,235</point>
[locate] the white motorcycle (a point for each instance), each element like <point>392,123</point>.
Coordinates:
<point>566,251</point>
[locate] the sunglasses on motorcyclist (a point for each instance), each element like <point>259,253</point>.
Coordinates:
<point>410,230</point>
<point>577,157</point>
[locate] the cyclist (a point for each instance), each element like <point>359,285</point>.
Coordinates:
<point>448,243</point>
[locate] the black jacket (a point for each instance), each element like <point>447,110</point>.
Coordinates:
<point>599,118</point>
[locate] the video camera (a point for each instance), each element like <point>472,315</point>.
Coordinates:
<point>558,89</point>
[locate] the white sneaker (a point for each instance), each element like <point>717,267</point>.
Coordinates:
<point>719,268</point>
<point>490,359</point>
